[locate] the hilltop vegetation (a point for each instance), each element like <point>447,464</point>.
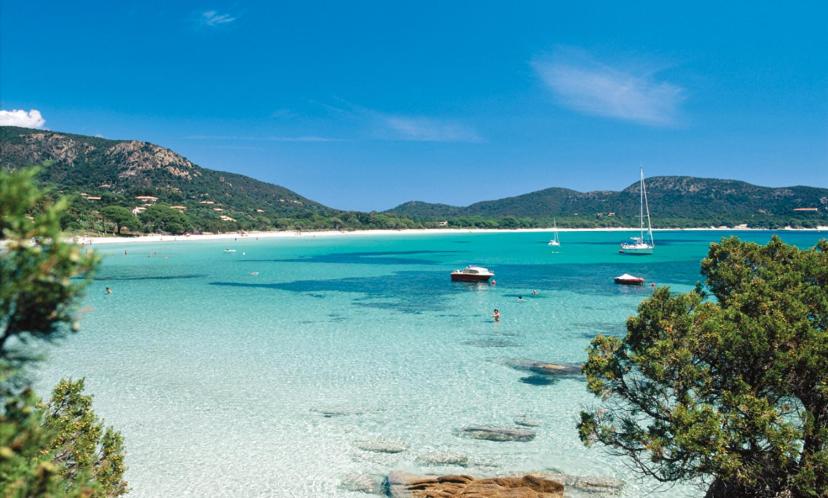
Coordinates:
<point>675,201</point>
<point>163,191</point>
<point>129,186</point>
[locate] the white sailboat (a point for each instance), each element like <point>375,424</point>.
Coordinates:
<point>556,241</point>
<point>640,245</point>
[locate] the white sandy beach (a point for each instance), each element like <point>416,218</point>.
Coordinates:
<point>357,233</point>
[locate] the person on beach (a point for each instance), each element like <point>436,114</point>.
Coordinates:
<point>496,315</point>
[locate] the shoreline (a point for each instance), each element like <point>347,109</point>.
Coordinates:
<point>97,240</point>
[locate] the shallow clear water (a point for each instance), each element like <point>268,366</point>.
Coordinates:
<point>215,376</point>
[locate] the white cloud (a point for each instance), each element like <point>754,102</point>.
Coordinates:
<point>378,125</point>
<point>423,129</point>
<point>19,117</point>
<point>629,93</point>
<point>214,18</point>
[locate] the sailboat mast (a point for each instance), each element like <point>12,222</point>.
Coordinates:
<point>641,204</point>
<point>647,208</point>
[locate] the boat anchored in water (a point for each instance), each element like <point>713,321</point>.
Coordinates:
<point>627,279</point>
<point>640,245</point>
<point>556,241</point>
<point>472,273</point>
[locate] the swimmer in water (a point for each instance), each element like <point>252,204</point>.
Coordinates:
<point>494,282</point>
<point>496,315</point>
<point>520,299</point>
<point>109,290</point>
<point>534,292</point>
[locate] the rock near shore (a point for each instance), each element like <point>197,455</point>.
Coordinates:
<point>547,368</point>
<point>404,485</point>
<point>499,434</point>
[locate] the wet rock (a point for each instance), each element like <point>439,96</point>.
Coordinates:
<point>443,458</point>
<point>362,483</point>
<point>525,421</point>
<point>500,434</point>
<point>547,368</point>
<point>382,446</point>
<point>404,485</point>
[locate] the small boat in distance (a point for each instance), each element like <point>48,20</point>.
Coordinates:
<point>471,273</point>
<point>556,241</point>
<point>627,279</point>
<point>639,245</point>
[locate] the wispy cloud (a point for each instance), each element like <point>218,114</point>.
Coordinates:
<point>214,18</point>
<point>425,129</point>
<point>349,122</point>
<point>379,125</point>
<point>266,138</point>
<point>19,117</point>
<point>629,92</point>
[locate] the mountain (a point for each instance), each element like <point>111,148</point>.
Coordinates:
<point>167,192</point>
<point>99,172</point>
<point>132,167</point>
<point>674,201</point>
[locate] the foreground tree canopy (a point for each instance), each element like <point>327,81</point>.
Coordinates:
<point>60,448</point>
<point>731,391</point>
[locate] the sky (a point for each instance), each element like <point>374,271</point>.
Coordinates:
<point>365,105</point>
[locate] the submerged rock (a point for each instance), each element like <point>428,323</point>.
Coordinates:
<point>500,434</point>
<point>579,486</point>
<point>333,411</point>
<point>491,343</point>
<point>539,380</point>
<point>443,458</point>
<point>382,446</point>
<point>547,368</point>
<point>527,422</point>
<point>404,485</point>
<point>363,483</point>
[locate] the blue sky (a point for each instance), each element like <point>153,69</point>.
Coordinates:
<point>364,105</point>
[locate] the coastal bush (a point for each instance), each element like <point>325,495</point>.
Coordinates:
<point>162,218</point>
<point>121,217</point>
<point>728,384</point>
<point>59,448</point>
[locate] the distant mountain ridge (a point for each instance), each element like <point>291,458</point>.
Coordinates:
<point>673,200</point>
<point>138,175</point>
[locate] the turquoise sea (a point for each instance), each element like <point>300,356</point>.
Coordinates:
<point>268,371</point>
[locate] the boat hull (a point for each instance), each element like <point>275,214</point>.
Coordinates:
<point>464,277</point>
<point>634,249</point>
<point>636,252</point>
<point>629,281</point>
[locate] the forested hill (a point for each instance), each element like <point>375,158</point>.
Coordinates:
<point>163,190</point>
<point>135,186</point>
<point>674,201</point>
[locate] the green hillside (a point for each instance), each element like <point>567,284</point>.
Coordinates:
<point>675,201</point>
<point>100,173</point>
<point>136,186</point>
